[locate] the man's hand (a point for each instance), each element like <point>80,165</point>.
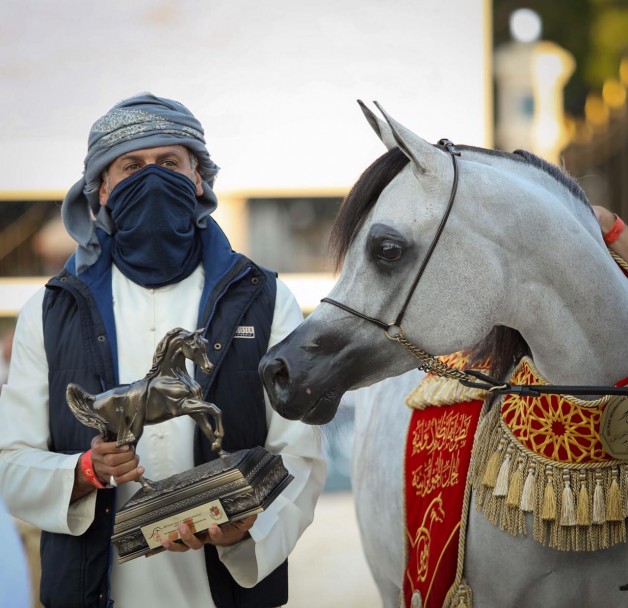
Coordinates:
<point>607,220</point>
<point>108,461</point>
<point>222,536</point>
<point>120,463</point>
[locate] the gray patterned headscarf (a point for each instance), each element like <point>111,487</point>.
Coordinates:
<point>142,121</point>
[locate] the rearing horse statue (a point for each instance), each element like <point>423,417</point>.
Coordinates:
<point>167,391</point>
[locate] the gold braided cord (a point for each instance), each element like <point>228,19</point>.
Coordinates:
<point>459,593</point>
<point>619,260</point>
<point>431,364</point>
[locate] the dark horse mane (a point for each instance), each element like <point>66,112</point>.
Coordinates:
<point>502,346</point>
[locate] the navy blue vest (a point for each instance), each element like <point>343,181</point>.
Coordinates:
<point>79,337</point>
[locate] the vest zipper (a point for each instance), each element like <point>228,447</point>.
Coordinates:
<point>220,295</point>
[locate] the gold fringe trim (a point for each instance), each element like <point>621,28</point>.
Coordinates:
<point>436,391</point>
<point>572,506</point>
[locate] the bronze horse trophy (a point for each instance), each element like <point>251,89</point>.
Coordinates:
<point>222,490</point>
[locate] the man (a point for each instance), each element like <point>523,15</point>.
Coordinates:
<point>149,258</point>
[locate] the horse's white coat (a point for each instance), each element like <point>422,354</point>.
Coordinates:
<point>381,422</point>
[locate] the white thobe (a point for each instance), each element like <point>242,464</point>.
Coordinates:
<point>37,484</point>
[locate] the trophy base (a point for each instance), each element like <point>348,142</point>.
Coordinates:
<point>221,491</point>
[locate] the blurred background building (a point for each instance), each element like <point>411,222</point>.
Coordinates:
<point>275,85</point>
<point>561,74</point>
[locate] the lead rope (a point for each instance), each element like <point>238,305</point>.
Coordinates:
<point>433,365</point>
<point>619,260</point>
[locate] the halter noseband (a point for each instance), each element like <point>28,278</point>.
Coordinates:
<point>431,364</point>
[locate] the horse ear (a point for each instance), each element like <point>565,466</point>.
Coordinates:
<point>381,127</point>
<point>414,147</point>
<point>200,331</point>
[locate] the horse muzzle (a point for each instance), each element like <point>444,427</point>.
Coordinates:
<point>207,368</point>
<point>296,399</point>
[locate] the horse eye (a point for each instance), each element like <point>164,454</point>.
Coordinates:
<point>390,252</point>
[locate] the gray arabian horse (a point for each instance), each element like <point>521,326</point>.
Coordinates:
<point>167,391</point>
<point>521,250</point>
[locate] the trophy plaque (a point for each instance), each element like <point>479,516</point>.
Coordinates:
<point>224,490</point>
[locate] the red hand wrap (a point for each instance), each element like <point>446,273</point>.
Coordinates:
<point>613,234</point>
<point>88,470</point>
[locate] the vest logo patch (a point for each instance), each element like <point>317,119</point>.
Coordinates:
<point>245,331</point>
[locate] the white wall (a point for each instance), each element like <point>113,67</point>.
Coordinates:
<point>274,82</point>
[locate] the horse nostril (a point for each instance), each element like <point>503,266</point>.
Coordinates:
<point>281,376</point>
<point>275,376</point>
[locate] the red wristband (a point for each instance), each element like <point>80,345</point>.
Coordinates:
<point>613,234</point>
<point>88,470</point>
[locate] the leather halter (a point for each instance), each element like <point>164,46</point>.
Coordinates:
<point>429,363</point>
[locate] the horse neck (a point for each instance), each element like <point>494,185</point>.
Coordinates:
<point>174,361</point>
<point>573,313</point>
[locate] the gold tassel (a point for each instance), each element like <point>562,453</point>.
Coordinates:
<point>461,597</point>
<point>464,597</point>
<point>489,478</point>
<point>613,506</point>
<point>501,485</point>
<point>548,512</point>
<point>514,490</point>
<point>584,515</point>
<point>527,496</point>
<point>567,509</point>
<point>598,500</point>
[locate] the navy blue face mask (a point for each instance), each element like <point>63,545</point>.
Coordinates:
<point>156,241</point>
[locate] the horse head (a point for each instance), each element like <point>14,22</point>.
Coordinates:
<point>499,231</point>
<point>194,347</point>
